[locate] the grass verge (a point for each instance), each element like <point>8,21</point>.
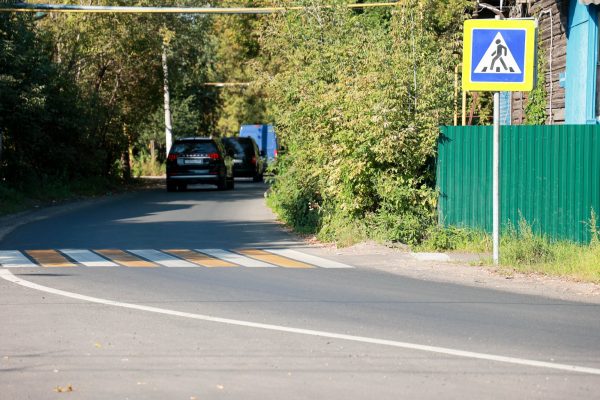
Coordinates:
<point>522,250</point>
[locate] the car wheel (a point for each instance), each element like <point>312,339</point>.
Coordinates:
<point>182,187</point>
<point>231,183</point>
<point>171,187</point>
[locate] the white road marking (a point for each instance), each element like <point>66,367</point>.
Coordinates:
<point>15,259</point>
<point>308,258</point>
<point>163,259</point>
<point>8,276</point>
<point>87,258</point>
<point>235,258</point>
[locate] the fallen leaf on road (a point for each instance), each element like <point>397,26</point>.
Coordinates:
<point>98,345</point>
<point>59,389</point>
<point>220,387</point>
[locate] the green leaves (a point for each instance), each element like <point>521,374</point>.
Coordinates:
<point>358,98</point>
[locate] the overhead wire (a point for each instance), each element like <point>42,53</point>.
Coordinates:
<point>73,8</point>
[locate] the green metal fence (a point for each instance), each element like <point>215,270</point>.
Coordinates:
<point>549,175</point>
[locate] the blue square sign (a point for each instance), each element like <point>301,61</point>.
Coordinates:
<point>499,55</point>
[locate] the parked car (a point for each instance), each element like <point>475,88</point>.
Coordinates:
<point>247,158</point>
<point>265,138</point>
<point>199,160</point>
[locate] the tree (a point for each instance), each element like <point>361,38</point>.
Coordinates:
<point>358,99</point>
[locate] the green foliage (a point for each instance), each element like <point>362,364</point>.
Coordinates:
<point>522,250</point>
<point>144,165</point>
<point>535,109</point>
<point>524,247</point>
<point>80,93</point>
<point>11,200</point>
<point>456,239</point>
<point>45,121</point>
<point>594,230</point>
<point>358,99</point>
<point>238,49</point>
<point>525,251</point>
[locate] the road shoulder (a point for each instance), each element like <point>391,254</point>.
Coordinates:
<point>459,269</point>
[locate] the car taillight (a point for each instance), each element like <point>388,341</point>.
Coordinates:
<point>214,156</point>
<point>254,160</point>
<point>172,157</point>
<point>275,153</point>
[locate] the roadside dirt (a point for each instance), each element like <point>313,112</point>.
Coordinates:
<point>463,269</point>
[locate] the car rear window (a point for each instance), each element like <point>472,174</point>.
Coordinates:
<point>240,146</point>
<point>194,147</point>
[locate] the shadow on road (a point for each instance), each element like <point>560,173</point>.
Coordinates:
<point>199,218</point>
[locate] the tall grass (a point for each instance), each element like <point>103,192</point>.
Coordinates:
<point>522,250</point>
<point>144,165</point>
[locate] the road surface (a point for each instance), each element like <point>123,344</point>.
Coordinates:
<point>203,295</point>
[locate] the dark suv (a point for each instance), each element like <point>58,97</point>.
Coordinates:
<point>199,160</point>
<point>247,159</point>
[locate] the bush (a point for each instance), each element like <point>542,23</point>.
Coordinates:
<point>144,165</point>
<point>358,99</point>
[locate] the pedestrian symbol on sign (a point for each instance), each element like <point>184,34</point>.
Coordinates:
<point>498,59</point>
<point>499,55</point>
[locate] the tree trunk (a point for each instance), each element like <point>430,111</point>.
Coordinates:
<point>168,127</point>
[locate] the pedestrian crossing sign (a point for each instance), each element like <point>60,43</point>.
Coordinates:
<point>499,55</point>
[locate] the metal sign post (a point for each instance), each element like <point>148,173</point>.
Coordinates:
<point>496,182</point>
<point>498,55</point>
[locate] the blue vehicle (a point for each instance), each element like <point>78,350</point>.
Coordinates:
<point>264,135</point>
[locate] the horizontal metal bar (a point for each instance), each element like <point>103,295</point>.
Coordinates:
<point>226,84</point>
<point>71,8</point>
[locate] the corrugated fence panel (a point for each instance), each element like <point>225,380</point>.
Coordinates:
<point>550,176</point>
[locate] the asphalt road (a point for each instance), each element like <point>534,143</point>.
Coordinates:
<point>265,333</point>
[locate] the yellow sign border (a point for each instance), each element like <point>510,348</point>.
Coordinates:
<point>530,64</point>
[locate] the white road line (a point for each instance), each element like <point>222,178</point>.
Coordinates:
<point>15,259</point>
<point>163,259</point>
<point>308,258</point>
<point>235,258</point>
<point>8,276</point>
<point>87,258</point>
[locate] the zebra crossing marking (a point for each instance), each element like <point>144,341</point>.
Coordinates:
<point>15,259</point>
<point>163,259</point>
<point>199,258</point>
<point>273,258</point>
<point>308,258</point>
<point>50,258</point>
<point>171,258</point>
<point>235,258</point>
<point>88,258</point>
<point>125,259</point>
